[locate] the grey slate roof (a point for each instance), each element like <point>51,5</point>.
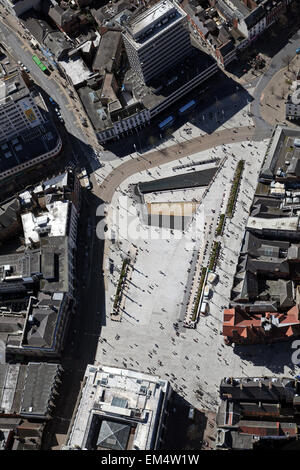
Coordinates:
<point>41,332</point>
<point>37,391</point>
<point>27,389</point>
<point>107,50</point>
<point>9,212</point>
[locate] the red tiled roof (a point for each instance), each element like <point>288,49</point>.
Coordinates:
<point>259,430</point>
<point>241,325</point>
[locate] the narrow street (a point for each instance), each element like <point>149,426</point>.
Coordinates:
<point>85,325</point>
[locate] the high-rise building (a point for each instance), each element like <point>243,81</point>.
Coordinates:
<point>157,39</point>
<point>18,110</point>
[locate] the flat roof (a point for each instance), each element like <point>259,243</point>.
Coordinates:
<point>185,180</point>
<point>31,144</point>
<point>12,88</point>
<point>97,113</point>
<point>107,50</point>
<point>153,21</point>
<point>280,152</point>
<point>151,15</point>
<point>276,223</point>
<point>76,69</point>
<point>141,392</point>
<point>55,219</point>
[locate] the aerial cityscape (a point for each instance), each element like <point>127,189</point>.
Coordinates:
<point>149,226</point>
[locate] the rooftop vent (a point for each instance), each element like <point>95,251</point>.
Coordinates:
<point>143,390</point>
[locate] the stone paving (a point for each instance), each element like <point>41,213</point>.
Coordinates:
<point>103,168</point>
<point>275,94</point>
<point>192,359</point>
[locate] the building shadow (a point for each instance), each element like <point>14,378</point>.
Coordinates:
<point>274,357</point>
<point>270,42</point>
<point>183,432</point>
<point>214,108</point>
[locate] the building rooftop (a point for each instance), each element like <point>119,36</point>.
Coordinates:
<point>119,409</point>
<point>275,223</point>
<point>45,35</point>
<point>280,153</point>
<point>12,88</point>
<point>28,145</point>
<point>54,221</point>
<point>76,69</point>
<point>107,51</point>
<point>26,390</point>
<point>36,280</point>
<point>154,20</point>
<point>256,409</point>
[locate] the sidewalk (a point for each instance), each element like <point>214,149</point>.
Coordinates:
<point>274,95</point>
<point>106,189</point>
<point>13,24</point>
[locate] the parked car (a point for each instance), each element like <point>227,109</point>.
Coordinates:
<point>298,50</point>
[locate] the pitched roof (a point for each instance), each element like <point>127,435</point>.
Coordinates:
<point>113,435</point>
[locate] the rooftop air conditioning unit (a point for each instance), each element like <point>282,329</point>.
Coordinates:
<point>143,390</point>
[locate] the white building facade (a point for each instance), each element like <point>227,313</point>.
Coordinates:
<point>18,110</point>
<point>157,39</point>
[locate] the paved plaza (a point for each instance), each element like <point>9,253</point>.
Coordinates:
<point>156,293</point>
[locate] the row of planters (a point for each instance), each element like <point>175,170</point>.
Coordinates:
<point>118,295</point>
<point>234,188</point>
<point>212,262</point>
<point>214,256</point>
<point>220,226</point>
<point>199,292</point>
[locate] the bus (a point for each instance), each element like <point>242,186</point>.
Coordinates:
<point>40,64</point>
<point>165,123</point>
<point>187,107</point>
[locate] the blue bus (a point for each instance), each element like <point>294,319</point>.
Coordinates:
<point>187,107</point>
<point>165,123</point>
